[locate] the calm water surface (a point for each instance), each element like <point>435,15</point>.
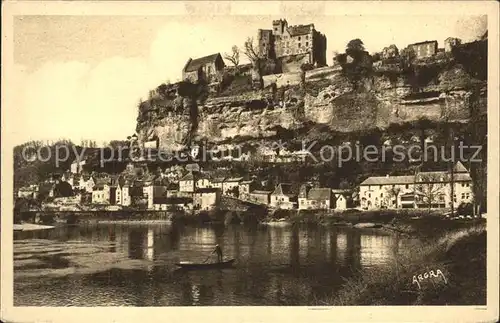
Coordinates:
<point>133,264</point>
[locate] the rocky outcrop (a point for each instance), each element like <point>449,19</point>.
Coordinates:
<point>327,97</point>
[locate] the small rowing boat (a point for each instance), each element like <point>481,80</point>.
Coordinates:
<point>212,265</point>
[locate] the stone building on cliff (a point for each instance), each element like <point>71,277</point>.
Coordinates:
<point>208,68</point>
<point>284,40</point>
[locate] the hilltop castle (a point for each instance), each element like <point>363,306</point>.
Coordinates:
<point>284,40</point>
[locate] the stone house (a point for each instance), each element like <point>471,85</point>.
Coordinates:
<point>283,40</point>
<point>426,48</point>
<point>218,182</point>
<point>284,196</point>
<point>77,166</point>
<point>209,68</point>
<point>203,181</point>
<point>422,190</point>
<point>245,188</point>
<point>154,190</point>
<point>314,198</point>
<point>230,185</point>
<point>172,203</point>
<point>262,197</point>
<point>122,194</point>
<point>342,199</point>
<point>187,183</point>
<point>101,192</point>
<point>206,198</point>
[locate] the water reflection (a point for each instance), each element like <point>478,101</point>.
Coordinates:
<point>275,265</point>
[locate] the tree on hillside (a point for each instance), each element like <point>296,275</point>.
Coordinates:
<point>255,58</point>
<point>356,63</point>
<point>234,56</point>
<point>354,46</point>
<point>63,189</point>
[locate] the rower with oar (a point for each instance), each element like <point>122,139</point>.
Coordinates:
<point>218,251</point>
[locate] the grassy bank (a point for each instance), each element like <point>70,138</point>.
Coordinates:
<point>459,256</point>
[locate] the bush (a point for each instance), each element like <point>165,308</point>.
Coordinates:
<point>465,209</point>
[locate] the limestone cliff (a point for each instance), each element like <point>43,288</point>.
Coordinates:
<point>439,89</point>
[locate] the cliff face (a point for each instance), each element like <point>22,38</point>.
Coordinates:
<point>445,92</point>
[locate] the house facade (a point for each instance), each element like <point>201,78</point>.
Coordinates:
<point>314,198</point>
<point>206,199</point>
<point>342,199</point>
<point>284,197</point>
<point>208,68</point>
<point>187,183</point>
<point>422,190</point>
<point>245,187</point>
<point>230,186</point>
<point>425,48</point>
<point>262,197</point>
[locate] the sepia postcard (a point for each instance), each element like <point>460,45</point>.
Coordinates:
<point>250,161</point>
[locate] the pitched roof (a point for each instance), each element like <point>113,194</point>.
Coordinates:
<point>260,192</point>
<point>340,191</point>
<point>234,179</point>
<point>195,64</point>
<point>460,168</point>
<point>424,42</point>
<point>173,186</point>
<point>442,176</point>
<point>388,180</point>
<point>285,189</point>
<point>188,177</point>
<point>193,167</point>
<point>300,29</point>
<point>218,180</point>
<point>319,194</point>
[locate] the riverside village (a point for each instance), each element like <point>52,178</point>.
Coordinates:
<point>300,166</point>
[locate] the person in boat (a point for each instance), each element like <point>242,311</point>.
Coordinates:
<point>218,251</point>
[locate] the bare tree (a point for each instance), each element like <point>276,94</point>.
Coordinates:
<point>431,186</point>
<point>234,57</point>
<point>392,193</point>
<point>255,58</point>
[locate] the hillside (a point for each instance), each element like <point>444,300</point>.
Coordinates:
<point>450,87</point>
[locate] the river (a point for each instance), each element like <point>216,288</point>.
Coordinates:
<point>134,264</point>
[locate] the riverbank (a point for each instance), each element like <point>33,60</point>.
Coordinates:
<point>448,271</point>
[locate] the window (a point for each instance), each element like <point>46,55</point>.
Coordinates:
<point>463,196</point>
<point>407,186</point>
<point>307,44</point>
<point>299,38</point>
<point>307,37</point>
<point>299,44</point>
<point>380,186</point>
<point>369,195</point>
<point>381,194</point>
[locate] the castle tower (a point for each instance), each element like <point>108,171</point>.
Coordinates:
<point>279,27</point>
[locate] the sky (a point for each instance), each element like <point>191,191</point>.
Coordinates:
<point>81,77</point>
